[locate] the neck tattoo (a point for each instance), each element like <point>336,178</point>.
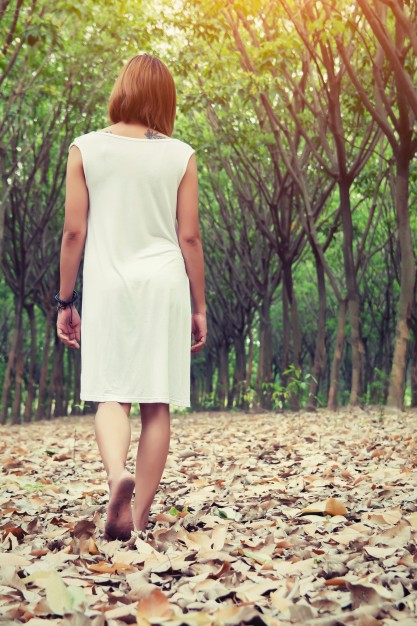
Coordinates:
<point>152,134</point>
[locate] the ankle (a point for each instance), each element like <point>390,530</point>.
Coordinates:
<point>140,521</point>
<point>115,475</point>
<point>140,514</point>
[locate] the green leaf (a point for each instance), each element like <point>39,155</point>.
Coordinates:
<point>227,513</point>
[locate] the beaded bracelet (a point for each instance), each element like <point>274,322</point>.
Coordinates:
<point>62,304</point>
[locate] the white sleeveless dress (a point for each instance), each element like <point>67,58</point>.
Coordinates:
<point>136,304</point>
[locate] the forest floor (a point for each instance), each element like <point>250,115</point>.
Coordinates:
<point>297,518</point>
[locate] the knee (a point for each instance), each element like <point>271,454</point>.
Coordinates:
<point>126,406</point>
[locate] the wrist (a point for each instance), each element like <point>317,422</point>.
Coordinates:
<point>65,296</point>
<point>62,303</point>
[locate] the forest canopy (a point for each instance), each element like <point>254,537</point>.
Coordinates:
<point>303,119</point>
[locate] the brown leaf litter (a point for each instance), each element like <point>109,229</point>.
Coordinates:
<point>306,519</point>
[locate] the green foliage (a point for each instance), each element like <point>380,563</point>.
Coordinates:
<point>209,401</point>
<point>297,386</point>
<point>249,395</point>
<point>174,511</point>
<point>376,388</point>
<point>34,487</point>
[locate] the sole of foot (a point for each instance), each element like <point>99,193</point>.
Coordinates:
<point>119,522</point>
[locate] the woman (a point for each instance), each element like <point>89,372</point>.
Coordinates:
<point>132,201</point>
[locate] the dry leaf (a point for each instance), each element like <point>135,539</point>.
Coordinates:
<point>156,604</point>
<point>290,526</point>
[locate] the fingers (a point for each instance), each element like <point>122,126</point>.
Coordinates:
<point>71,343</point>
<point>199,345</point>
<point>74,330</point>
<point>68,327</point>
<point>68,338</point>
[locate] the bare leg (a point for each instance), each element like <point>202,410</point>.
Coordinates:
<point>151,457</point>
<point>113,435</point>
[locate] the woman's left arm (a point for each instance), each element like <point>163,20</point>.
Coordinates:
<point>72,246</point>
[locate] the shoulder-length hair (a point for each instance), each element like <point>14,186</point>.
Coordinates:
<point>144,92</point>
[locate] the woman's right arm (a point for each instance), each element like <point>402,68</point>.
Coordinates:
<point>189,239</point>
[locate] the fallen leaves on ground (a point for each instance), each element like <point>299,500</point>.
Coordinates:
<point>259,519</point>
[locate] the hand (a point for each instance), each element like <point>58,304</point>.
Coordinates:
<point>199,330</point>
<point>69,333</point>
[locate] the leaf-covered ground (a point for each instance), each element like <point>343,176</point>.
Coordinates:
<point>259,519</point>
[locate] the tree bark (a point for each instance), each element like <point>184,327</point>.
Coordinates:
<point>294,396</point>
<point>250,359</point>
<point>11,359</point>
<point>58,378</point>
<point>19,366</point>
<point>414,368</point>
<point>67,378</point>
<point>207,390</point>
<point>249,389</point>
<point>285,362</point>
<point>264,380</point>
<point>320,349</point>
<point>76,403</point>
<point>222,386</point>
<point>239,375</point>
<point>30,391</point>
<point>41,408</point>
<point>194,391</point>
<point>332,402</point>
<point>405,303</point>
<point>352,293</point>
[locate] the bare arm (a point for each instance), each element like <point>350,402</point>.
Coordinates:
<point>75,223</point>
<point>73,240</point>
<point>189,236</point>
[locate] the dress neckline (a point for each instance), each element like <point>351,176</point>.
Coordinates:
<point>106,132</point>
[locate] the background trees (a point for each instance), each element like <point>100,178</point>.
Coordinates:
<point>303,116</point>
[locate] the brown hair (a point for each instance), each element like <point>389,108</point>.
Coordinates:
<point>144,92</point>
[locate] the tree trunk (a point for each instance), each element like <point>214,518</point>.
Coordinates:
<point>264,382</point>
<point>222,387</point>
<point>48,406</point>
<point>17,400</point>
<point>294,395</point>
<point>90,406</point>
<point>76,403</point>
<point>239,376</point>
<point>68,378</point>
<point>207,391</point>
<point>7,382</point>
<point>352,293</point>
<point>414,368</point>
<point>58,378</point>
<point>194,392</point>
<point>250,359</point>
<point>321,336</point>
<point>374,383</point>
<point>388,349</point>
<point>337,358</point>
<point>407,277</point>
<point>285,362</point>
<point>42,409</point>
<point>30,309</point>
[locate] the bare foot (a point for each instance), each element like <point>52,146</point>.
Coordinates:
<point>140,526</point>
<point>119,522</point>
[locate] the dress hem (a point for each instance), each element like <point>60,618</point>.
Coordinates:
<point>94,398</point>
